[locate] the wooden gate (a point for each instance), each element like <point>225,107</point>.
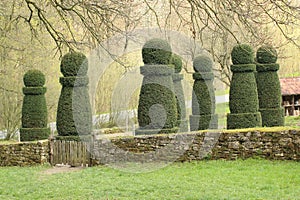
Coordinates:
<point>74,153</point>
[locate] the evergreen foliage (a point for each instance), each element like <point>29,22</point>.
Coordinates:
<point>242,54</point>
<point>157,110</point>
<point>243,97</point>
<point>266,54</point>
<point>156,51</point>
<point>203,97</point>
<point>74,117</point>
<point>34,110</point>
<point>268,87</point>
<point>178,89</point>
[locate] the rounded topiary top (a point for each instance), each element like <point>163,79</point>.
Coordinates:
<point>202,63</point>
<point>266,54</point>
<point>156,51</point>
<point>177,62</point>
<point>34,78</point>
<point>242,54</point>
<point>73,64</point>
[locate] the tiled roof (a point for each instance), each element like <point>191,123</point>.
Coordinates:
<point>290,86</point>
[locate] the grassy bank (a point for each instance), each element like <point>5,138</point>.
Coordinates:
<point>248,179</point>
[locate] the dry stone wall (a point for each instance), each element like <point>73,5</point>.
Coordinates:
<point>24,153</point>
<point>282,145</point>
<point>228,145</point>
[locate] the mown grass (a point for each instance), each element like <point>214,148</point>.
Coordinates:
<point>241,179</point>
<point>292,121</point>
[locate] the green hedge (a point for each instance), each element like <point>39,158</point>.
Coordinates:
<point>272,116</point>
<point>268,86</point>
<point>157,94</point>
<point>157,109</point>
<point>178,89</point>
<point>243,120</point>
<point>34,109</point>
<point>34,78</point>
<point>242,54</point>
<point>74,64</point>
<point>156,131</point>
<point>177,62</point>
<point>74,115</point>
<point>203,97</point>
<point>32,134</point>
<point>243,93</point>
<point>156,51</point>
<point>266,54</point>
<point>180,101</point>
<point>202,63</point>
<point>203,122</point>
<point>77,138</point>
<point>243,96</point>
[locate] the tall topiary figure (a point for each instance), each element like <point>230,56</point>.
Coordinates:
<point>157,111</point>
<point>178,89</point>
<point>74,115</point>
<point>268,86</point>
<point>203,97</point>
<point>243,98</point>
<point>34,110</point>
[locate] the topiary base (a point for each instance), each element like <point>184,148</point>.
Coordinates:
<point>243,120</point>
<point>272,117</point>
<point>155,131</point>
<point>84,138</point>
<point>203,122</point>
<point>183,125</point>
<point>32,134</point>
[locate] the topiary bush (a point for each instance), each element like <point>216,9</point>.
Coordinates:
<point>74,64</point>
<point>202,63</point>
<point>203,97</point>
<point>178,89</point>
<point>34,109</point>
<point>266,55</point>
<point>157,111</point>
<point>243,97</point>
<point>242,54</point>
<point>156,51</point>
<point>74,117</point>
<point>176,61</point>
<point>268,87</point>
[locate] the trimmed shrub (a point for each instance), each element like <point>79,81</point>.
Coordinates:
<point>157,104</point>
<point>266,54</point>
<point>74,115</point>
<point>268,87</point>
<point>177,62</point>
<point>243,97</point>
<point>34,78</point>
<point>74,64</point>
<point>203,97</point>
<point>178,89</point>
<point>157,110</point>
<point>242,54</point>
<point>202,63</point>
<point>156,51</point>
<point>34,109</point>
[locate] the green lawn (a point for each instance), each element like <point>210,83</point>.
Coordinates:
<point>292,121</point>
<point>248,179</point>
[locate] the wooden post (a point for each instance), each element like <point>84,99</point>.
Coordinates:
<point>293,105</point>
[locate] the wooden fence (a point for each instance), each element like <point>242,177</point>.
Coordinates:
<point>72,153</point>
